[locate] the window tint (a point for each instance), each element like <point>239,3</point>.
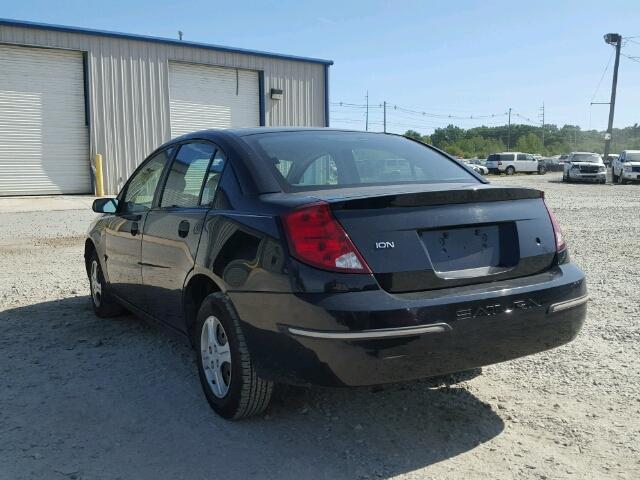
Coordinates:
<point>186,176</point>
<point>142,186</point>
<point>522,156</point>
<point>330,159</point>
<point>213,178</point>
<point>507,158</point>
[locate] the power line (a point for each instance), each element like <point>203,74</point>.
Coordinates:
<point>632,58</point>
<point>603,74</point>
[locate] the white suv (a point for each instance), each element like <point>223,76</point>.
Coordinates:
<point>514,162</point>
<point>626,167</point>
<point>584,166</point>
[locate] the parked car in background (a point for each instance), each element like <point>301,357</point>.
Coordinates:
<point>626,168</point>
<point>553,164</point>
<point>481,169</point>
<point>308,257</point>
<point>584,167</point>
<point>514,162</point>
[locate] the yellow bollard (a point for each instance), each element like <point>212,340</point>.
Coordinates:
<point>99,179</point>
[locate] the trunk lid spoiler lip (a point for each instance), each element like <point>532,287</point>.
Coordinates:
<point>474,194</point>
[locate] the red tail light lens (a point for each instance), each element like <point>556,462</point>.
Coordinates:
<point>557,231</point>
<point>316,238</point>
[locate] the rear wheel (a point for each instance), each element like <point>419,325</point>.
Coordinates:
<point>226,371</point>
<point>614,177</point>
<point>510,170</point>
<point>542,170</point>
<point>104,305</point>
<point>620,179</point>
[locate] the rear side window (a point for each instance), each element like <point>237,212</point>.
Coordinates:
<point>213,178</point>
<point>522,156</point>
<point>187,175</point>
<point>506,157</point>
<point>304,160</point>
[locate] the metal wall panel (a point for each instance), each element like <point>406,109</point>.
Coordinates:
<point>128,89</point>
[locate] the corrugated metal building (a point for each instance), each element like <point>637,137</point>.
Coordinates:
<point>68,93</point>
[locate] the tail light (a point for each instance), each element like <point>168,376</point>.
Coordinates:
<point>557,231</point>
<point>315,237</point>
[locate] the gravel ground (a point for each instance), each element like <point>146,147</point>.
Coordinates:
<point>87,398</point>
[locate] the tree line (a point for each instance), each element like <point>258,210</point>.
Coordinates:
<point>482,141</point>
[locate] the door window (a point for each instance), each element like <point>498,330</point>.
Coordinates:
<point>186,177</point>
<point>141,188</point>
<point>507,158</point>
<point>213,178</point>
<point>521,156</point>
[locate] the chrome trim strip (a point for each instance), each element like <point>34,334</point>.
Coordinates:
<point>574,302</point>
<point>371,334</point>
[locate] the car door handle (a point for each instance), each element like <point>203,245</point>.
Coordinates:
<point>134,228</point>
<point>183,229</point>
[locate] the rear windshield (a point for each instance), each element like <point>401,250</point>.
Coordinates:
<point>311,160</point>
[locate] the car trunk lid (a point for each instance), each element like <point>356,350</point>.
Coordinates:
<point>421,237</point>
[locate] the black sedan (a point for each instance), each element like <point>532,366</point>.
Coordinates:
<point>326,257</point>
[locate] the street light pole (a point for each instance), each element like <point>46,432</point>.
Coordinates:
<point>616,40</point>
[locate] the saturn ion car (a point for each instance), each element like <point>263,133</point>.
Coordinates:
<point>334,258</point>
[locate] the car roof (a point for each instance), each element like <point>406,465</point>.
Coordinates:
<point>584,153</point>
<point>632,151</point>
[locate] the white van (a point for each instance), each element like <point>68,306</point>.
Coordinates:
<point>514,162</point>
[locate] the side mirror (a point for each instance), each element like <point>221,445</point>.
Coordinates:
<point>105,205</point>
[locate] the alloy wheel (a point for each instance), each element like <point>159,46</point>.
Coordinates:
<point>96,286</point>
<point>216,356</point>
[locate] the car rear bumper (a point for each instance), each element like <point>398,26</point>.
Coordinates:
<point>373,337</point>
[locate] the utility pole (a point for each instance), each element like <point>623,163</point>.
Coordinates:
<point>366,121</point>
<point>542,124</point>
<point>616,40</point>
<point>179,34</point>
<point>509,132</point>
<point>384,111</point>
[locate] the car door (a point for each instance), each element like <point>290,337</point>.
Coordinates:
<point>123,232</point>
<point>521,163</point>
<point>172,229</point>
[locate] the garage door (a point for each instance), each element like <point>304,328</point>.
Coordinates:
<point>43,136</point>
<point>203,96</point>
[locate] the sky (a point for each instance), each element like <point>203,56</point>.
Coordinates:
<point>459,59</point>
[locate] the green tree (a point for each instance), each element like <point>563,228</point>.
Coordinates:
<point>417,136</point>
<point>529,143</point>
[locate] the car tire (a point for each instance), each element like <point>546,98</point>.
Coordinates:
<point>614,177</point>
<point>227,375</point>
<point>542,170</point>
<point>104,305</point>
<point>510,170</point>
<point>620,179</point>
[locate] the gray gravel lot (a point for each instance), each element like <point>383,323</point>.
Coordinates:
<point>82,397</point>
